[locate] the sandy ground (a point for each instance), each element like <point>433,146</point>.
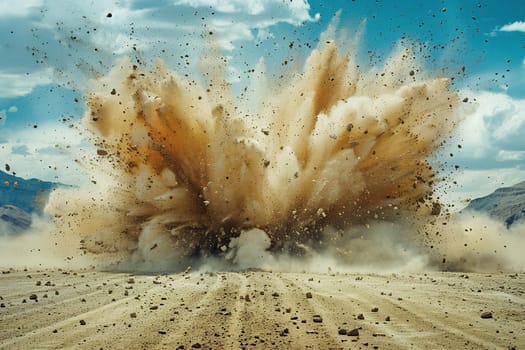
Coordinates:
<point>100,310</point>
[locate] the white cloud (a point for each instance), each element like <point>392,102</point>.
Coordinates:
<point>46,153</point>
<point>504,155</point>
<point>497,125</point>
<point>253,7</point>
<point>9,8</point>
<point>15,85</point>
<point>518,26</point>
<point>477,183</point>
<point>294,12</point>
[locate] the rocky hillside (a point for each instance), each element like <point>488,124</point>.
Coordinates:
<point>13,220</point>
<point>506,204</point>
<point>28,195</point>
<point>19,198</point>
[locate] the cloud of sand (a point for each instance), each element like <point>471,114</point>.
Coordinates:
<point>40,247</point>
<point>473,241</point>
<point>330,171</point>
<point>190,169</point>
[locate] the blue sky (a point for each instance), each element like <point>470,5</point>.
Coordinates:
<point>51,49</point>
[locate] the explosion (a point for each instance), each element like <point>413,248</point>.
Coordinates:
<point>189,167</point>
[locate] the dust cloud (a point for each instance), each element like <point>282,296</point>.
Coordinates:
<point>183,167</point>
<point>330,172</point>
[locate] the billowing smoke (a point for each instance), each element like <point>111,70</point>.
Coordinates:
<point>183,167</point>
<point>330,172</point>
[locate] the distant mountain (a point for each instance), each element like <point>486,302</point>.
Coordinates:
<point>13,220</point>
<point>506,204</point>
<point>19,199</point>
<point>29,195</point>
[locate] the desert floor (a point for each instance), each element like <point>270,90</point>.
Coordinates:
<point>57,309</point>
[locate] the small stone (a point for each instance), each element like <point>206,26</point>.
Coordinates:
<point>387,319</point>
<point>317,319</point>
<point>309,295</point>
<point>33,297</point>
<point>342,331</point>
<point>154,307</point>
<point>375,309</point>
<point>353,333</point>
<point>82,322</point>
<point>360,317</point>
<point>196,346</point>
<point>486,314</point>
<point>131,280</point>
<point>133,315</point>
<point>162,332</point>
<point>38,283</point>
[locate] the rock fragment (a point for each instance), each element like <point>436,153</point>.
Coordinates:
<point>486,314</point>
<point>353,333</point>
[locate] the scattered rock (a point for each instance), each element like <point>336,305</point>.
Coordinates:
<point>387,319</point>
<point>317,319</point>
<point>353,333</point>
<point>133,315</point>
<point>33,297</point>
<point>309,295</point>
<point>342,331</point>
<point>196,346</point>
<point>486,314</point>
<point>375,309</point>
<point>360,317</point>
<point>162,332</point>
<point>82,322</point>
<point>131,280</point>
